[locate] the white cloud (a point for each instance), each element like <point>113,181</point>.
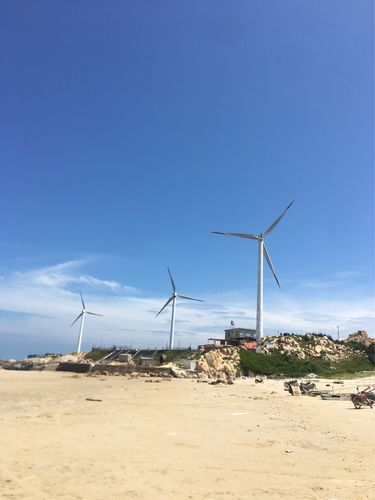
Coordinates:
<point>39,305</point>
<point>64,275</point>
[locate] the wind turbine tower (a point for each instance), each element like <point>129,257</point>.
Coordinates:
<point>262,252</point>
<point>82,316</point>
<point>173,299</point>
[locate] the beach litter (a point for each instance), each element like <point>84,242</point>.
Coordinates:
<point>295,388</point>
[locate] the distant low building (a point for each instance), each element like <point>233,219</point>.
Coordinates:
<point>237,333</point>
<point>237,336</point>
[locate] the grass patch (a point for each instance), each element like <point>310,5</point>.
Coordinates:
<point>175,355</point>
<point>277,364</point>
<point>351,366</point>
<point>97,354</point>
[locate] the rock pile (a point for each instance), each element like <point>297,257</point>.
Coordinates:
<point>222,364</point>
<point>50,362</point>
<point>65,358</point>
<point>308,346</point>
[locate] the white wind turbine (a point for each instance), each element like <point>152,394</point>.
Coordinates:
<point>172,299</point>
<point>262,250</point>
<point>82,316</point>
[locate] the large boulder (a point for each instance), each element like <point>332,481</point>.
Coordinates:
<point>219,363</point>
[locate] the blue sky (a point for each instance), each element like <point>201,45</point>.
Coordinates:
<point>130,130</point>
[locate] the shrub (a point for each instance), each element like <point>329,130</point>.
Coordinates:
<point>355,346</point>
<point>175,354</point>
<point>277,364</point>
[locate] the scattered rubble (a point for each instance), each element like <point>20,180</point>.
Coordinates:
<point>296,388</point>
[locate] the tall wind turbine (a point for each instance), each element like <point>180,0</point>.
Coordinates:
<point>82,316</point>
<point>262,250</point>
<point>172,299</point>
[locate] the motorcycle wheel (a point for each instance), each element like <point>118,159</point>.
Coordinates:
<point>357,404</point>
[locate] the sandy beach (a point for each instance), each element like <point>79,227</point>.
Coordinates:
<point>179,440</point>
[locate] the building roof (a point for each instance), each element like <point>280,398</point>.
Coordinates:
<point>240,328</point>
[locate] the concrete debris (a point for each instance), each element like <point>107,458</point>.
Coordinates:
<point>74,367</point>
<point>129,364</point>
<point>295,390</point>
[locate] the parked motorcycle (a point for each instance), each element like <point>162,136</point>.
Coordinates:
<point>366,397</point>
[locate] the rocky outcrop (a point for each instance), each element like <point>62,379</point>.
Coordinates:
<point>361,337</point>
<point>308,346</point>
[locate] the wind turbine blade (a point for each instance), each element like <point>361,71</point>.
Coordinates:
<point>172,282</point>
<point>189,298</point>
<point>239,235</point>
<point>268,259</point>
<point>274,224</point>
<point>94,314</point>
<point>164,306</point>
<point>77,318</point>
<point>83,304</point>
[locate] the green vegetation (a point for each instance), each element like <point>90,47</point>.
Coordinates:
<point>97,354</point>
<point>277,364</point>
<point>174,355</point>
<point>355,346</point>
<point>351,366</point>
<point>369,350</point>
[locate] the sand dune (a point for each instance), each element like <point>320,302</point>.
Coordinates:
<point>178,440</point>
